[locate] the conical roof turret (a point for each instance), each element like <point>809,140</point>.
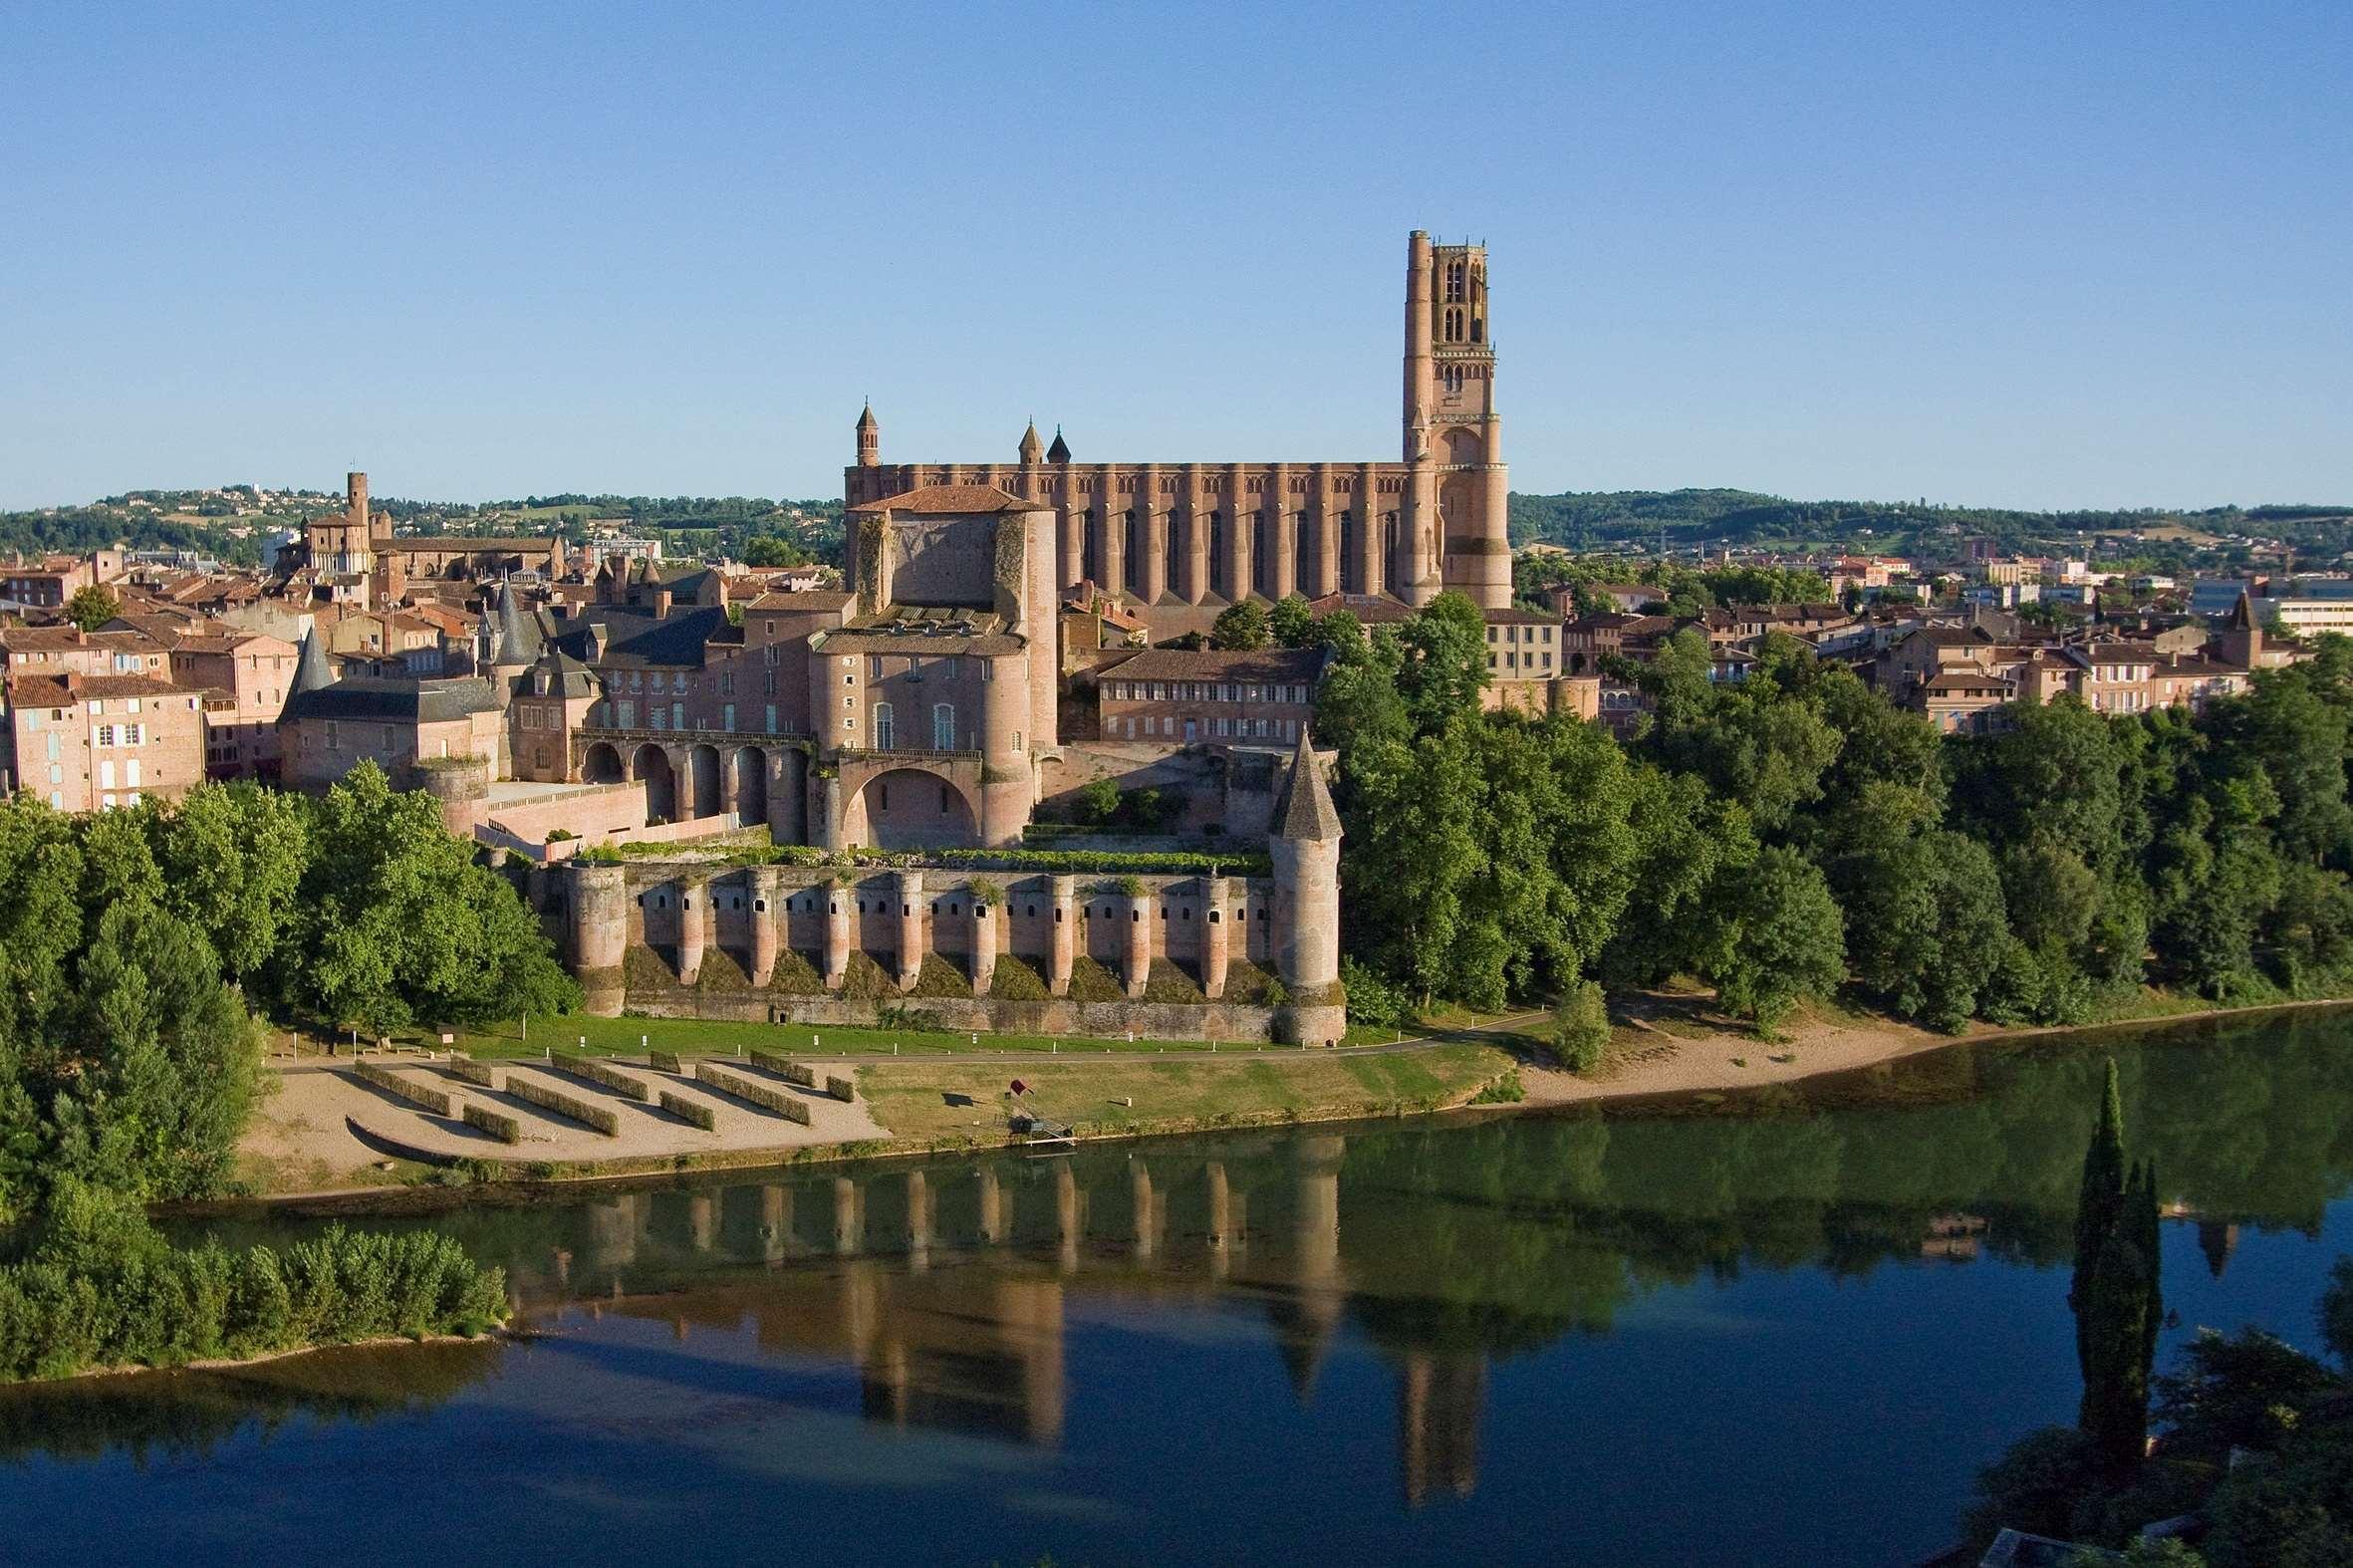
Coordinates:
<point>518,643</point>
<point>865,417</point>
<point>1032,449</point>
<point>1307,814</point>
<point>313,671</point>
<point>1059,452</point>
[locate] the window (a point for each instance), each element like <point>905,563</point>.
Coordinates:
<point>771,717</point>
<point>954,666</point>
<point>727,716</point>
<point>106,734</point>
<point>944,726</point>
<point>727,685</point>
<point>886,734</point>
<point>1017,740</point>
<point>875,668</point>
<point>133,704</point>
<point>332,744</point>
<point>134,734</point>
<point>105,775</point>
<point>131,776</point>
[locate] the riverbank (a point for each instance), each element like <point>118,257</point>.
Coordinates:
<point>1652,1060</point>
<point>1667,1046</point>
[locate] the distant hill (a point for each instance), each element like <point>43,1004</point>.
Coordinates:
<point>1619,519</point>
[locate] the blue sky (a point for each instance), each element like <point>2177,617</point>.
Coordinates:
<point>2020,254</point>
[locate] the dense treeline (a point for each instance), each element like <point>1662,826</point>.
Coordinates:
<point>135,943</point>
<point>1599,519</point>
<point>1682,589</point>
<point>79,530</point>
<point>1780,832</point>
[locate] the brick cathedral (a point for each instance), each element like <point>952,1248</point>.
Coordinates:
<point>1185,540</point>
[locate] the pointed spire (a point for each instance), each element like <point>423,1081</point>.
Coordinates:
<point>312,672</point>
<point>2242,614</point>
<point>866,416</point>
<point>517,643</point>
<point>1307,813</point>
<point>1031,447</point>
<point>1059,452</point>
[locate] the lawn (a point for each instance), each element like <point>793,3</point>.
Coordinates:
<point>945,1100</point>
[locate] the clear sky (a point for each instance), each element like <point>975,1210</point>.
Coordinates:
<point>2029,253</point>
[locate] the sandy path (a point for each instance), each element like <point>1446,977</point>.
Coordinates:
<point>1663,1064</point>
<point>322,1117</point>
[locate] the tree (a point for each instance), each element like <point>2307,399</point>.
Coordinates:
<point>1291,624</point>
<point>1774,935</point>
<point>1580,1028</point>
<point>91,606</point>
<point>772,550</point>
<point>1241,628</point>
<point>399,926</point>
<point>1443,661</point>
<point>2115,1294</point>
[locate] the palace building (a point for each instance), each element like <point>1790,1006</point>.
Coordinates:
<point>1184,540</point>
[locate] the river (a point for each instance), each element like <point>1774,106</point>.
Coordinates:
<point>1772,1330</point>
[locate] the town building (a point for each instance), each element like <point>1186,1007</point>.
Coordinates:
<point>85,742</point>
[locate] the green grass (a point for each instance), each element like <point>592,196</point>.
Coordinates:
<point>921,1100</point>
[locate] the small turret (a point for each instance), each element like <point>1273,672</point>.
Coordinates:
<point>1059,452</point>
<point>1032,449</point>
<point>870,438</point>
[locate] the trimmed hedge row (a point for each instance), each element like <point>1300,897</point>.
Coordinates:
<point>666,1062</point>
<point>694,1110</point>
<point>842,1089</point>
<point>750,1093</point>
<point>783,1067</point>
<point>497,1124</point>
<point>594,1116</point>
<point>472,1072</point>
<point>434,1100</point>
<point>591,1071</point>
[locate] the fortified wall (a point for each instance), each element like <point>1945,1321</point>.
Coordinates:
<point>1184,957</point>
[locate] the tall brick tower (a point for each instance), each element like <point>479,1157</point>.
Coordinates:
<point>1457,489</point>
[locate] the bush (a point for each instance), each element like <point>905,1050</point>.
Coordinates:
<point>1581,1028</point>
<point>593,1115</point>
<point>694,1111</point>
<point>1370,999</point>
<point>791,1109</point>
<point>434,1100</point>
<point>596,1072</point>
<point>497,1124</point>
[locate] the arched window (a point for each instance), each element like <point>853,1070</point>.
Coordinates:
<point>1132,553</point>
<point>1351,542</point>
<point>944,726</point>
<point>1260,563</point>
<point>1217,555</point>
<point>886,733</point>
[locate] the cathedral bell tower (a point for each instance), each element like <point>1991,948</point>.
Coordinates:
<point>1457,488</point>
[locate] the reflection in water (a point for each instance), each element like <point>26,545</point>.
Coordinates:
<point>949,1289</point>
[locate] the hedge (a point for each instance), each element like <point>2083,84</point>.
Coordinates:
<point>783,1067</point>
<point>474,1072</point>
<point>664,1062</point>
<point>750,1093</point>
<point>694,1110</point>
<point>434,1100</point>
<point>594,1115</point>
<point>842,1089</point>
<point>596,1072</point>
<point>497,1124</point>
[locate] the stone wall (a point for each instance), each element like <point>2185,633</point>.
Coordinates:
<point>1205,955</point>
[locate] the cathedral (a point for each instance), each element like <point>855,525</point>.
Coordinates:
<point>1184,540</point>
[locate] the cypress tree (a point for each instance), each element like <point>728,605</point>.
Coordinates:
<point>2115,1294</point>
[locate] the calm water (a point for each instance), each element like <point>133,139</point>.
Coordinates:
<point>1787,1335</point>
